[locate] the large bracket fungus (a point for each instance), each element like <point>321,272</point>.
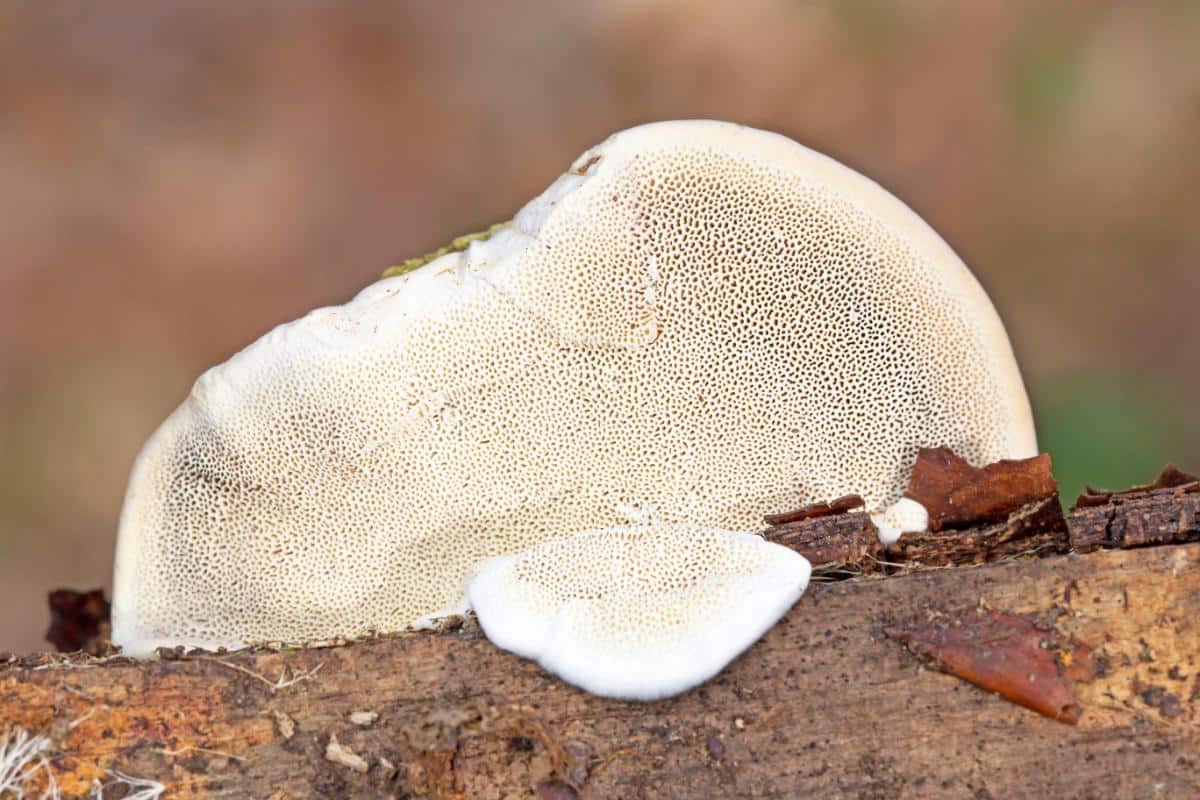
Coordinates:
<point>697,316</point>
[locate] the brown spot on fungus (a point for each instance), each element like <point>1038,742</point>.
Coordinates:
<point>582,169</point>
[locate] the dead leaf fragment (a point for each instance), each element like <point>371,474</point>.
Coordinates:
<point>339,754</point>
<point>957,494</point>
<point>284,724</point>
<point>1007,654</point>
<point>78,620</point>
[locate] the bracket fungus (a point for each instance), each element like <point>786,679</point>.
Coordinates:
<point>697,316</point>
<point>639,612</point>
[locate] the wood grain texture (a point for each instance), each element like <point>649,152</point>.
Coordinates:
<point>824,706</point>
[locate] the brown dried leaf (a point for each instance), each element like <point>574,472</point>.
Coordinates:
<point>1010,655</point>
<point>77,620</point>
<point>1173,477</point>
<point>957,494</point>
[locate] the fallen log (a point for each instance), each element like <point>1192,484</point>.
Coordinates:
<point>825,705</point>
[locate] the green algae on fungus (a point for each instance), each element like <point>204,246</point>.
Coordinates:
<point>459,244</point>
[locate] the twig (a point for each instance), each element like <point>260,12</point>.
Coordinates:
<point>143,788</point>
<point>281,683</point>
<point>71,725</point>
<point>191,748</point>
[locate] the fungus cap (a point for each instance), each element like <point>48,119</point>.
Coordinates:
<point>904,516</point>
<point>640,612</point>
<point>702,317</point>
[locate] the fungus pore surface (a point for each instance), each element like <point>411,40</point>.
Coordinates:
<point>640,612</point>
<point>704,318</point>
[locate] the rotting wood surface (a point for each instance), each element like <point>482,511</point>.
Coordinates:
<point>824,706</point>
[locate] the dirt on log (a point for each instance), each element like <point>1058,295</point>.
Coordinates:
<point>829,703</point>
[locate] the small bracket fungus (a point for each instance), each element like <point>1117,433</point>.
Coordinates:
<point>637,613</point>
<point>903,516</point>
<point>697,316</point>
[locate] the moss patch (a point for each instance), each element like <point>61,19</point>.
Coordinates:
<point>459,244</point>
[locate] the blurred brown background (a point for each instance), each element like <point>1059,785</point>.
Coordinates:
<point>177,179</point>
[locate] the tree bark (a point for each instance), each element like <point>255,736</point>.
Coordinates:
<point>827,704</point>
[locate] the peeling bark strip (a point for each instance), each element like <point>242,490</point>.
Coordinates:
<point>1172,481</point>
<point>957,494</point>
<point>1023,493</point>
<point>849,540</point>
<point>1136,522</point>
<point>1034,529</point>
<point>1164,512</point>
<point>1008,508</point>
<point>824,706</point>
<point>841,505</point>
